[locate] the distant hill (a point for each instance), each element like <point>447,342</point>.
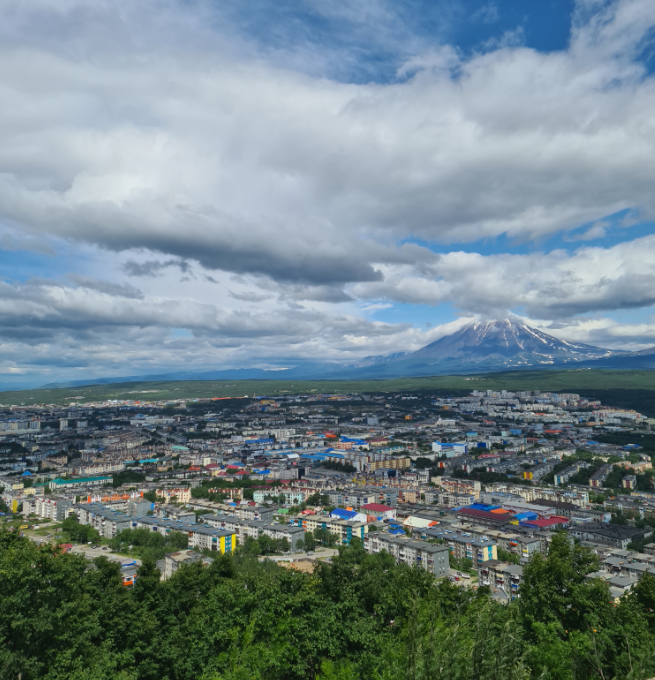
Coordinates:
<point>478,347</point>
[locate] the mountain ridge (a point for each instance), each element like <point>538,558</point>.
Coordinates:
<point>480,346</point>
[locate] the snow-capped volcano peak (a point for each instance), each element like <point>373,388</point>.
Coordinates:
<point>506,342</point>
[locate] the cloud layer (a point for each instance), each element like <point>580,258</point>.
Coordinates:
<point>177,149</point>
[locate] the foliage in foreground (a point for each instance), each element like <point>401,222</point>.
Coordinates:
<point>360,618</point>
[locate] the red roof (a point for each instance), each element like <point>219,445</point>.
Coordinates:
<point>472,512</point>
<point>543,523</point>
<point>376,507</point>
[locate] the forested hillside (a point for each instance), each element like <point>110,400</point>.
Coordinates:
<point>361,617</point>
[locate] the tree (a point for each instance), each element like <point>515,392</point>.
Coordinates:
<point>508,556</point>
<point>79,533</point>
<point>310,541</point>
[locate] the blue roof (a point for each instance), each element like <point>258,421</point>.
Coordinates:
<point>27,473</point>
<point>396,532</point>
<point>344,514</point>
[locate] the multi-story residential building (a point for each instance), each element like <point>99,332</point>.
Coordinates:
<point>63,484</point>
<point>109,523</point>
<point>454,500</point>
<point>99,469</point>
<point>176,513</point>
<point>180,495</point>
<point>564,475</point>
<point>292,534</point>
<point>501,575</point>
<point>596,480</point>
<point>629,482</point>
<point>454,485</point>
<point>261,513</point>
<point>53,507</point>
<point>615,535</point>
<point>474,548</point>
<point>345,530</point>
<point>173,561</point>
<point>289,497</point>
<point>390,463</point>
<point>429,556</point>
<point>137,507</point>
<point>538,472</point>
<point>253,529</point>
<point>209,538</point>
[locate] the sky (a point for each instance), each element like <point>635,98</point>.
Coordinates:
<point>205,184</point>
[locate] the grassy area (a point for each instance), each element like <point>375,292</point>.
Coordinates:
<point>570,380</point>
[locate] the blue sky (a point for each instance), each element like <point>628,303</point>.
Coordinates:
<point>193,185</point>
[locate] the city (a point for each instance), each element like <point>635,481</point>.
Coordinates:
<point>483,480</point>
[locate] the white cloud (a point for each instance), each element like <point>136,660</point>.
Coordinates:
<point>596,231</point>
<point>551,285</point>
<point>250,168</point>
<point>233,195</point>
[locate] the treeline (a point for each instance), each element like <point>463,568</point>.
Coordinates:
<point>362,617</point>
<point>79,533</point>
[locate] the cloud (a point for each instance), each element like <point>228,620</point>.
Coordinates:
<point>596,231</point>
<point>47,323</point>
<point>555,285</point>
<point>247,167</point>
<point>114,289</point>
<point>12,244</point>
<point>157,142</point>
<point>487,14</point>
<point>248,296</point>
<point>153,267</point>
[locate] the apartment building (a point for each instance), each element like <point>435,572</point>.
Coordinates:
<point>476,549</point>
<point>52,507</point>
<point>451,499</point>
<point>453,485</point>
<point>173,561</point>
<point>615,535</point>
<point>538,472</point>
<point>179,495</point>
<point>261,513</point>
<point>596,480</point>
<point>254,529</point>
<point>109,523</point>
<point>64,484</point>
<point>629,482</point>
<point>563,476</point>
<point>345,530</point>
<point>209,538</point>
<point>289,497</point>
<point>429,556</point>
<point>501,575</point>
